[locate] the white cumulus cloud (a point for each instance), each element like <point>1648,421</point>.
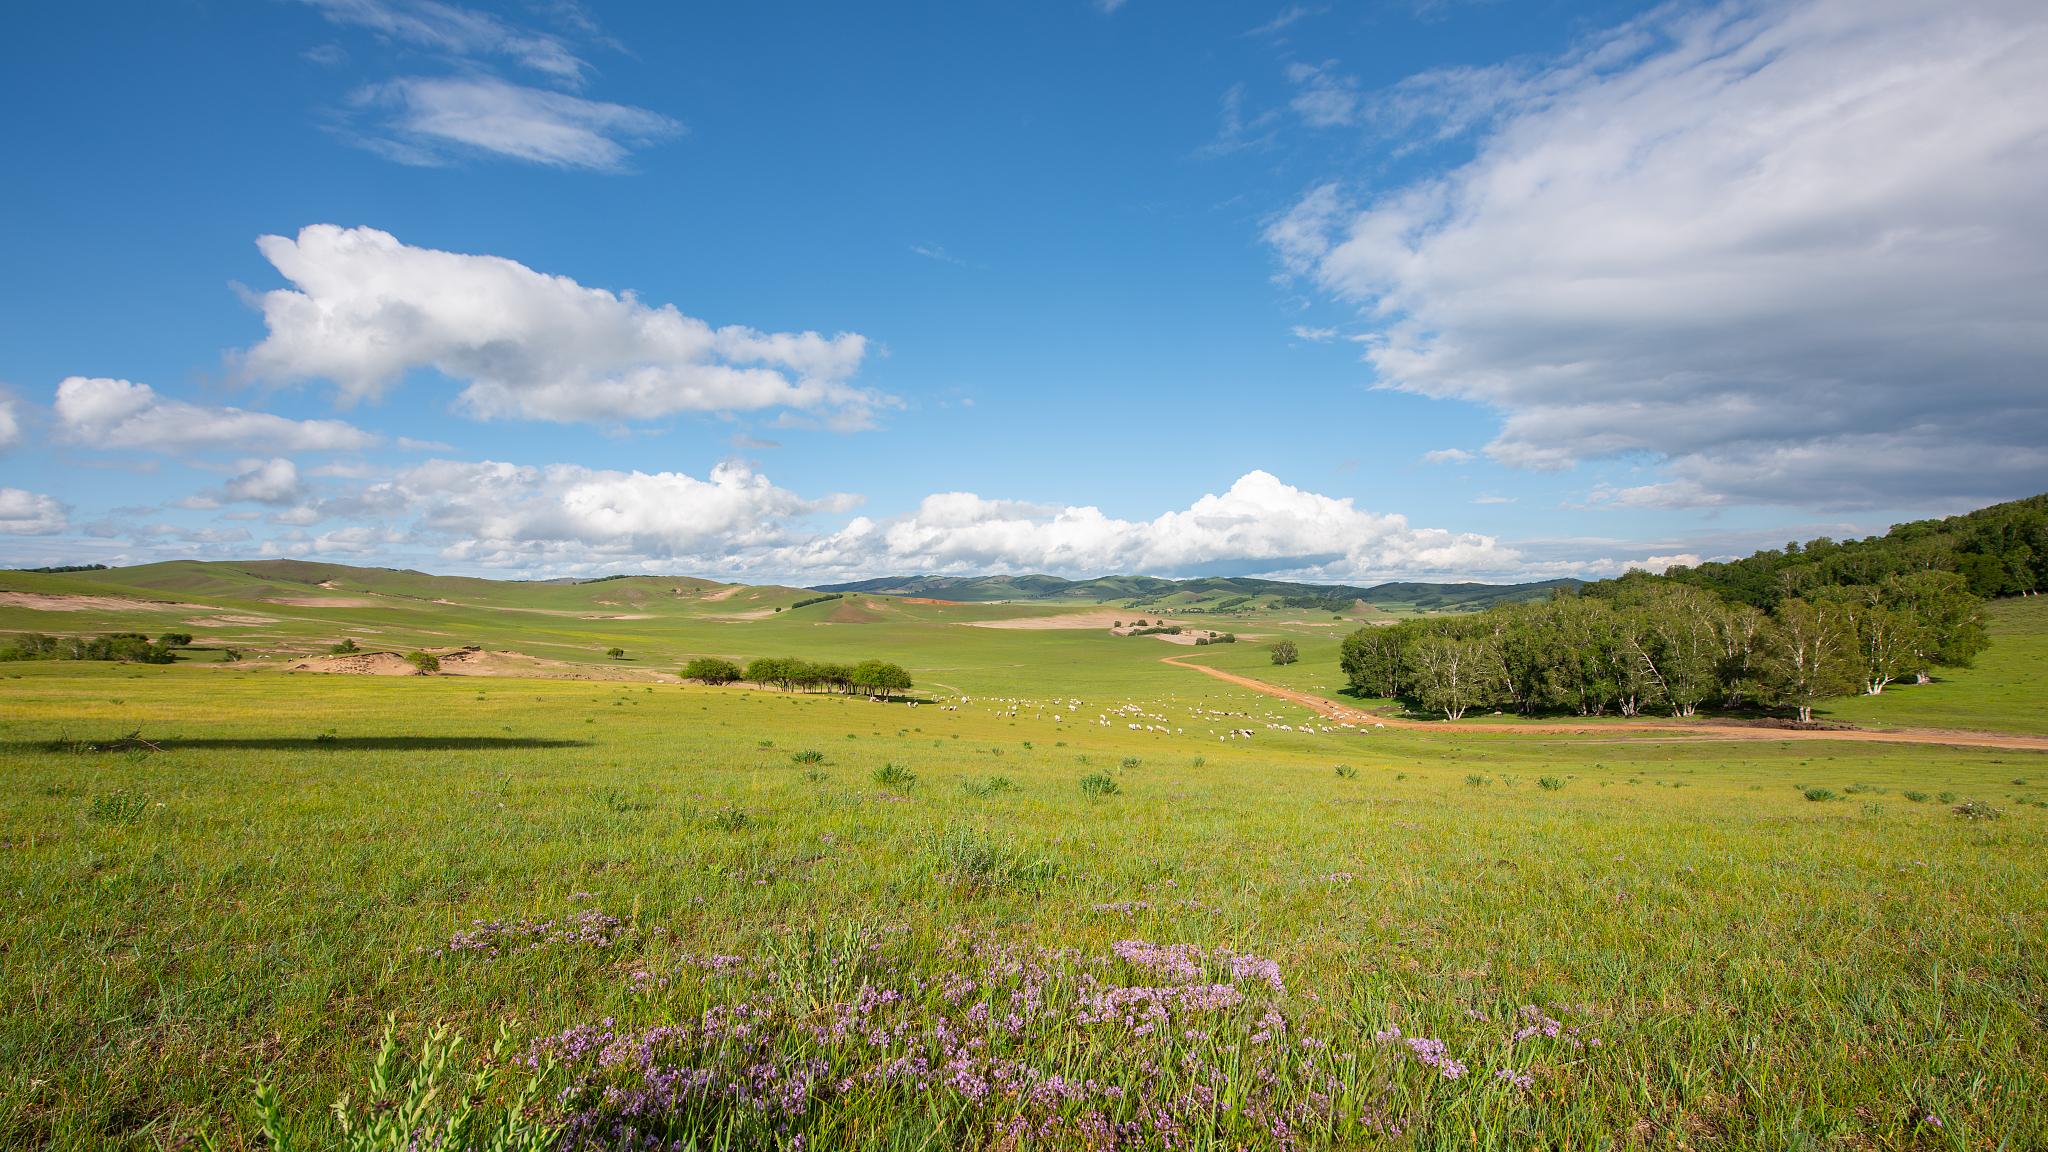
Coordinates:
<point>103,413</point>
<point>365,309</point>
<point>1797,252</point>
<point>24,513</point>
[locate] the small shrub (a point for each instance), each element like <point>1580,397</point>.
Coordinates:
<point>1476,780</point>
<point>731,819</point>
<point>807,756</point>
<point>426,662</point>
<point>1946,797</point>
<point>895,776</point>
<point>1097,785</point>
<point>231,655</point>
<point>817,777</point>
<point>1197,762</point>
<point>1915,797</point>
<point>1347,772</point>
<point>1285,652</point>
<point>973,860</point>
<point>1818,794</point>
<point>117,807</point>
<point>345,648</point>
<point>1129,762</point>
<point>1976,810</point>
<point>1549,783</point>
<point>712,670</point>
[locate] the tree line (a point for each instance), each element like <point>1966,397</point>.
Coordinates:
<point>875,678</point>
<point>1650,644</point>
<point>133,647</point>
<point>1998,551</point>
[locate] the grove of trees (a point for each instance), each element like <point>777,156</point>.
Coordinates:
<point>133,647</point>
<point>874,678</point>
<point>1658,644</point>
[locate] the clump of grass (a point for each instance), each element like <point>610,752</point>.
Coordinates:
<point>1858,789</point>
<point>117,807</point>
<point>988,787</point>
<point>422,1102</point>
<point>1946,797</point>
<point>1096,785</point>
<point>1347,772</point>
<point>1818,794</point>
<point>807,756</point>
<point>764,743</point>
<point>731,819</point>
<point>1549,783</point>
<point>1476,780</point>
<point>619,800</point>
<point>895,776</point>
<point>1129,762</point>
<point>1915,797</point>
<point>1197,762</point>
<point>1976,810</point>
<point>973,860</point>
<point>817,777</point>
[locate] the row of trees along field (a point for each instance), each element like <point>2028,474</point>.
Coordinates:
<point>1777,629</point>
<point>1654,644</point>
<point>867,678</point>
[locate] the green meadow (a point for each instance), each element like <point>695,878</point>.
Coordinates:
<point>1050,903</point>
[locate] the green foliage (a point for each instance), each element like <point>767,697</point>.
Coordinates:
<point>895,776</point>
<point>1285,652</point>
<point>2001,550</point>
<point>975,861</point>
<point>807,756</point>
<point>128,647</point>
<point>615,653</point>
<point>1976,810</point>
<point>825,599</point>
<point>877,679</point>
<point>1347,772</point>
<point>1818,794</point>
<point>712,670</point>
<point>1096,785</point>
<point>426,1101</point>
<point>1550,783</point>
<point>426,662</point>
<point>117,807</point>
<point>731,819</point>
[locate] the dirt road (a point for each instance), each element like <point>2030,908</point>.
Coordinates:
<point>1697,729</point>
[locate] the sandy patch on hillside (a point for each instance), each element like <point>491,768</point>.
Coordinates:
<point>218,621</point>
<point>358,664</point>
<point>756,614</point>
<point>324,601</point>
<point>928,600</point>
<point>722,593</point>
<point>48,602</point>
<point>478,662</point>
<point>1101,619</point>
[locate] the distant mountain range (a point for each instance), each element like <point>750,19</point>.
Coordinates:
<point>1150,591</point>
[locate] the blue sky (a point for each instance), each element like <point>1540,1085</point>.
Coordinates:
<point>1414,288</point>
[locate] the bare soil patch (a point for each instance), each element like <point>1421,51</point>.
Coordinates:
<point>324,601</point>
<point>1100,618</point>
<point>219,621</point>
<point>357,664</point>
<point>59,602</point>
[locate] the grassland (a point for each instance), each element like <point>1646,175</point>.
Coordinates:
<point>299,857</point>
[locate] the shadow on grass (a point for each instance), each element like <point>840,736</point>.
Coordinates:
<point>294,744</point>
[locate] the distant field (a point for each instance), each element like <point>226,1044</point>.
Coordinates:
<point>1219,942</point>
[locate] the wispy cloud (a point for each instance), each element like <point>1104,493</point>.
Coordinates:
<point>1447,456</point>
<point>458,31</point>
<point>429,121</point>
<point>938,252</point>
<point>1237,129</point>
